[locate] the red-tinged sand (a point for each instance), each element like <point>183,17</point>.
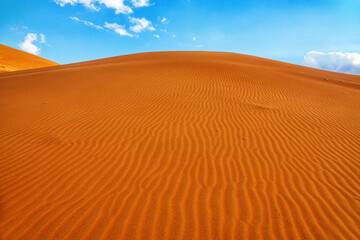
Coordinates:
<point>179,145</point>
<point>12,59</point>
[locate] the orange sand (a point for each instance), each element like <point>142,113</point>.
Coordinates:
<point>12,59</point>
<point>179,145</point>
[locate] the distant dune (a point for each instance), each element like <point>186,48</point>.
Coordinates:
<point>12,59</point>
<point>179,145</point>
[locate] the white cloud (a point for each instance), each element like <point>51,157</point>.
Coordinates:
<point>141,24</point>
<point>75,18</point>
<point>163,20</point>
<point>86,3</point>
<point>174,35</point>
<point>93,25</point>
<point>119,29</point>
<point>194,38</point>
<point>141,3</point>
<point>15,28</point>
<point>28,46</point>
<point>118,5</point>
<point>42,38</point>
<point>157,36</point>
<point>87,23</point>
<point>334,61</point>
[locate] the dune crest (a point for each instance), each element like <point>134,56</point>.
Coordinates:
<point>12,59</point>
<point>179,145</point>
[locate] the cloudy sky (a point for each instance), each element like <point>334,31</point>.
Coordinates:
<point>317,33</point>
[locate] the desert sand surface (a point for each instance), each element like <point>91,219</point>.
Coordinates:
<point>12,59</point>
<point>179,145</point>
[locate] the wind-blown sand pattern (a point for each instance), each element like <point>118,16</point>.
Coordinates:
<point>179,145</point>
<point>13,60</point>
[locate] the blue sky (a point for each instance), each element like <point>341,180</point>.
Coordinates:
<point>80,30</point>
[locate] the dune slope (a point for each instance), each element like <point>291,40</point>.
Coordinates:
<point>12,59</point>
<point>179,145</point>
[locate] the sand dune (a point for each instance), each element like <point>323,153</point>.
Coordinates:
<point>179,145</point>
<point>13,60</point>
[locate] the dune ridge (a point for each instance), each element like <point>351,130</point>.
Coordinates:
<point>12,59</point>
<point>179,145</point>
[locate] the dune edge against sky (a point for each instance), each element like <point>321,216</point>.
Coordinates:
<point>179,145</point>
<point>12,59</point>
